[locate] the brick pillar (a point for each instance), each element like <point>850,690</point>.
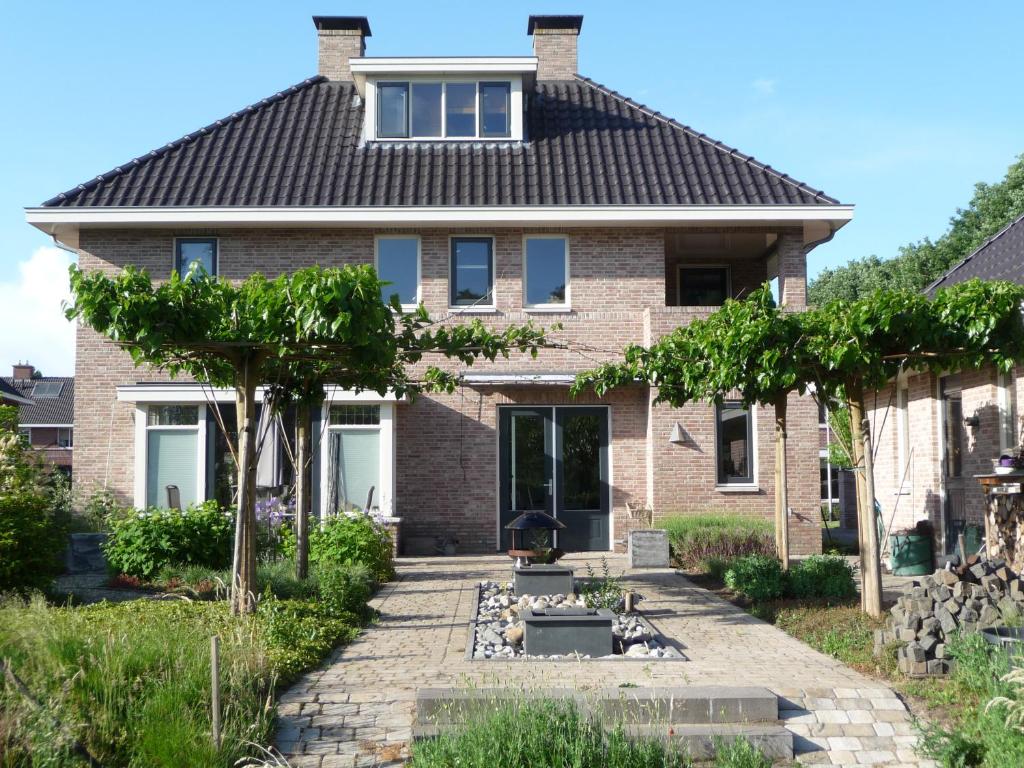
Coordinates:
<point>792,258</point>
<point>554,45</point>
<point>803,475</point>
<point>340,38</point>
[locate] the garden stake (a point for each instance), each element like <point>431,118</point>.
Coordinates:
<point>215,685</point>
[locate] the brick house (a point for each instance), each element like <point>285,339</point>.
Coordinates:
<point>504,188</point>
<point>46,412</point>
<point>934,433</point>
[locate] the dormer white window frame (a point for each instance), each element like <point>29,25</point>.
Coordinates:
<point>516,121</point>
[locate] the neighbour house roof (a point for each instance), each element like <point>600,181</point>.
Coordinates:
<point>9,394</point>
<point>51,399</point>
<point>1001,257</point>
<point>585,145</point>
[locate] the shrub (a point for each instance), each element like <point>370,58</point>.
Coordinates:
<point>298,633</point>
<point>716,567</point>
<point>739,753</point>
<point>758,577</point>
<point>824,576</point>
<point>32,526</point>
<point>353,539</point>
<point>604,591</point>
<point>695,539</point>
<point>141,544</point>
<point>345,589</point>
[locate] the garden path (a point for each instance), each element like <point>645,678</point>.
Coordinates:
<point>357,708</point>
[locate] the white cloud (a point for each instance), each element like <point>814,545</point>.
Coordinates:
<point>32,317</point>
<point>763,86</point>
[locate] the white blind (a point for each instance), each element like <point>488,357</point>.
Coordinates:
<point>358,465</point>
<point>171,460</point>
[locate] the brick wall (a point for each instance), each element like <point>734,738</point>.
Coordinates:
<point>617,287</point>
<point>556,51</point>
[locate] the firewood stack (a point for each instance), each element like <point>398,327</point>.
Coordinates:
<point>1006,521</point>
<point>971,597</point>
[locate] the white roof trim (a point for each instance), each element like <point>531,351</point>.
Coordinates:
<point>46,426</point>
<point>550,379</point>
<point>64,223</point>
<point>377,65</point>
<point>200,393</point>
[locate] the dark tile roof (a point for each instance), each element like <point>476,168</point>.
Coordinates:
<point>586,145</point>
<point>1001,257</point>
<point>45,410</point>
<point>9,393</point>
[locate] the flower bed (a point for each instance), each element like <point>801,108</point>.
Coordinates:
<point>498,631</point>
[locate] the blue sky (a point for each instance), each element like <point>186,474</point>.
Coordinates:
<point>897,107</point>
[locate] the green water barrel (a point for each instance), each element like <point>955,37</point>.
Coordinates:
<point>911,554</point>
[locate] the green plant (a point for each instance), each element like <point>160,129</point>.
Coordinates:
<point>353,539</point>
<point>604,591</point>
<point>739,753</point>
<point>101,507</point>
<point>716,567</point>
<point>141,544</point>
<point>757,577</point>
<point>538,734</point>
<point>696,539</point>
<point>345,588</point>
<point>821,576</point>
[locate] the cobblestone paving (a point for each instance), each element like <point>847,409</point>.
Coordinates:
<point>356,709</point>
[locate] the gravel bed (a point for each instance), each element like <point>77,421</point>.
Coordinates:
<point>499,630</point>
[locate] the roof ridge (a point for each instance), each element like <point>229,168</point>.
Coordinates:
<point>750,159</point>
<point>186,139</point>
<point>935,283</point>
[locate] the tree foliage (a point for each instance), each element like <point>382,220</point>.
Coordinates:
<point>992,207</point>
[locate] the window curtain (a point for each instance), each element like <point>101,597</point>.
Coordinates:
<point>171,458</point>
<point>355,459</point>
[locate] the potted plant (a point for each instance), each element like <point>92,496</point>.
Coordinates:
<point>1011,462</point>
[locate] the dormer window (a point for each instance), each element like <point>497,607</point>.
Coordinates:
<point>453,109</point>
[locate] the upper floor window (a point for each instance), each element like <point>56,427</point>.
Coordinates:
<point>703,286</point>
<point>449,109</point>
<point>200,251</point>
<point>471,278</point>
<point>398,263</point>
<point>734,435</point>
<point>65,437</point>
<point>546,272</point>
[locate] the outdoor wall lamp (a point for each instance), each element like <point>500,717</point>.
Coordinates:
<point>678,436</point>
<point>971,421</point>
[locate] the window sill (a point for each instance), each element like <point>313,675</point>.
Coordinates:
<point>473,310</point>
<point>560,309</point>
<point>739,488</point>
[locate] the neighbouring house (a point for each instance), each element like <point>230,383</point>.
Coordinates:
<point>46,412</point>
<point>935,433</point>
<point>499,188</point>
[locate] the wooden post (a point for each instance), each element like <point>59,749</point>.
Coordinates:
<point>243,574</point>
<point>781,490</point>
<point>215,687</point>
<point>302,487</point>
<point>857,446</point>
<point>871,587</point>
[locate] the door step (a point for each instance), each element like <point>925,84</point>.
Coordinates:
<point>701,741</point>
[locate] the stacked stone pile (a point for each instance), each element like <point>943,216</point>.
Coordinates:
<point>974,596</point>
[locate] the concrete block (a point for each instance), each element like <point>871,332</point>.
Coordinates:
<point>648,549</point>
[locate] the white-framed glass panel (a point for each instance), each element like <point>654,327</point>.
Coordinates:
<point>172,415</point>
<point>471,278</point>
<point>426,109</point>
<point>703,286</point>
<point>393,110</point>
<point>734,444</point>
<point>495,110</point>
<point>355,415</point>
<point>354,457</point>
<point>546,271</point>
<point>398,263</point>
<point>25,435</point>
<point>65,437</point>
<point>173,451</point>
<point>460,109</point>
<point>1008,436</point>
<point>200,252</point>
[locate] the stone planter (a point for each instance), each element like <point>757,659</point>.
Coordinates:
<point>543,580</point>
<point>565,631</point>
<point>393,525</point>
<point>84,554</point>
<point>648,549</point>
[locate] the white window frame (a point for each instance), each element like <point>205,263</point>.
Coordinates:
<point>548,307</point>
<point>70,435</point>
<point>419,263</point>
<point>684,265</point>
<point>216,251</point>
<point>385,488</point>
<point>142,429</point>
<point>754,485</point>
<point>902,434</point>
<point>515,106</point>
<point>469,309</point>
<point>1007,412</point>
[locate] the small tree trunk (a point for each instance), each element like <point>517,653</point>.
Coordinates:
<point>857,453</point>
<point>243,574</point>
<point>870,553</point>
<point>302,488</point>
<point>781,479</point>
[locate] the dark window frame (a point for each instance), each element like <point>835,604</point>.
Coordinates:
<point>507,85</point>
<point>408,116</point>
<point>684,267</point>
<point>720,478</point>
<point>178,241</point>
<point>452,270</point>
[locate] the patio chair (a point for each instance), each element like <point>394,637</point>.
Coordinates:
<point>173,497</point>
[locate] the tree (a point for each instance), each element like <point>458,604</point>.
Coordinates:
<point>289,335</point>
<point>991,208</point>
<point>749,347</point>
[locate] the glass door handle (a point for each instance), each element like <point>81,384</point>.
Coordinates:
<point>550,486</point>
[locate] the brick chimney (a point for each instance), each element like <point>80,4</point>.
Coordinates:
<point>554,45</point>
<point>340,38</point>
<point>23,371</point>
